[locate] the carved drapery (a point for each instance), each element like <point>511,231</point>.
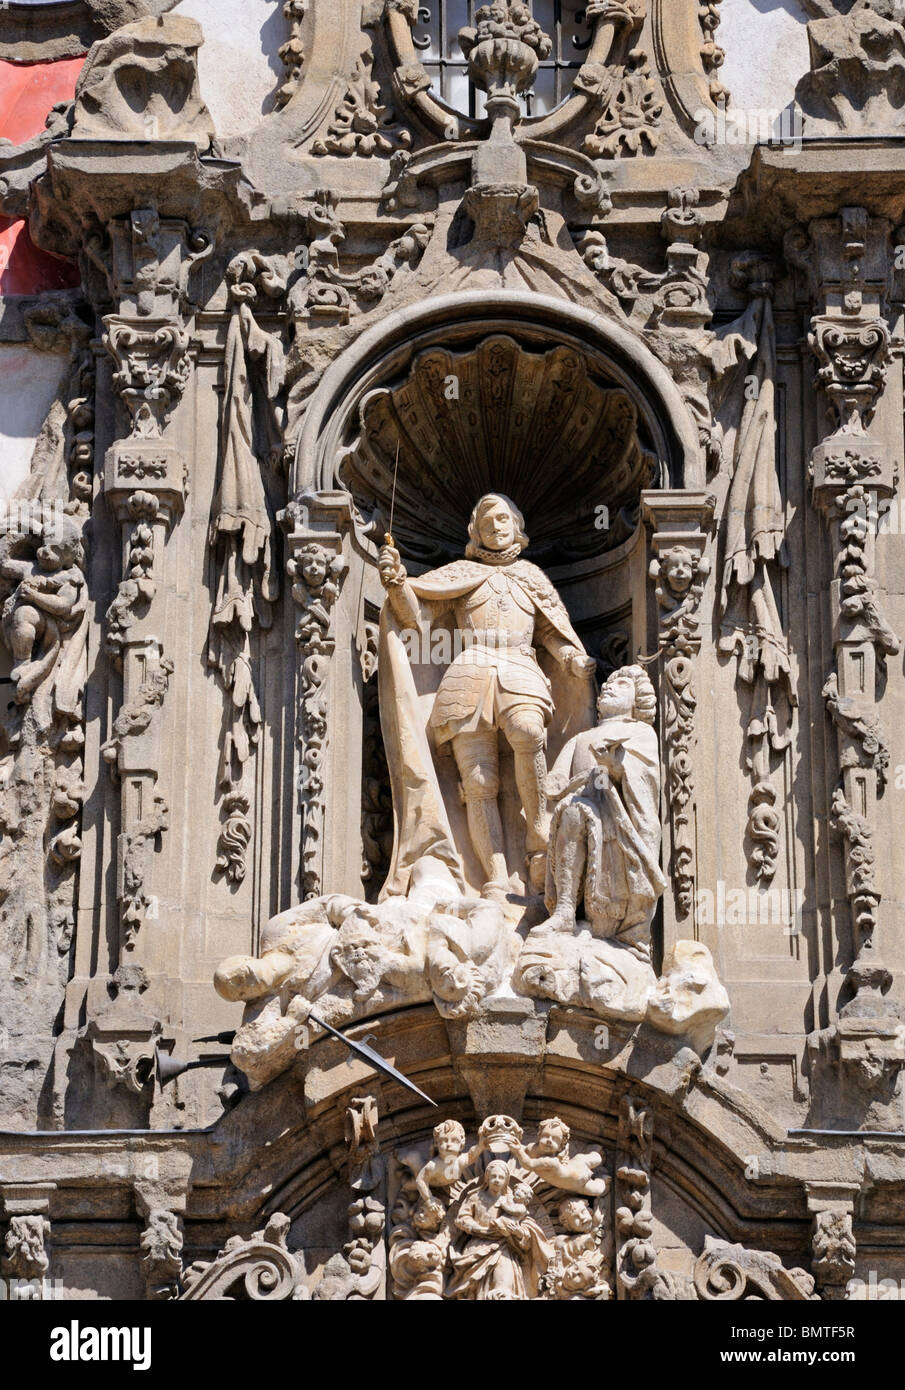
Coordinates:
<point>754,553</point>
<point>243,535</point>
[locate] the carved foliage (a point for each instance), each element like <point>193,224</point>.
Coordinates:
<point>637,1274</point>
<point>317,574</point>
<point>260,1269</point>
<point>362,124</point>
<point>631,118</point>
<point>25,1248</point>
<point>292,52</point>
<point>681,574</point>
<point>152,369</point>
<point>730,1273</point>
<point>161,1254</point>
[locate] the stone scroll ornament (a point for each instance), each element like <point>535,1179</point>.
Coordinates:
<point>751,628</point>
<point>243,534</point>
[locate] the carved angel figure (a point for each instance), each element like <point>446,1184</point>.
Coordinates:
<point>44,619</point>
<point>549,1158</point>
<point>578,1270</point>
<point>447,1167</point>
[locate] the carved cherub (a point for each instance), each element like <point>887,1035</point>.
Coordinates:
<point>317,576</point>
<point>549,1158</point>
<point>579,1264</point>
<point>46,605</point>
<point>450,1163</point>
<point>676,571</point>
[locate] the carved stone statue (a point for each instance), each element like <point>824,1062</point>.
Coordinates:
<point>578,1270</point>
<point>605,831</point>
<point>505,616</point>
<point>487,1221</point>
<point>44,619</point>
<point>505,1251</point>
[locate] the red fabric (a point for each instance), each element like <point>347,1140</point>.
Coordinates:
<point>28,91</point>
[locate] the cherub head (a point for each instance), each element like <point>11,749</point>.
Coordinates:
<point>496,524</point>
<point>312,566</point>
<point>677,569</point>
<point>61,549</point>
<point>552,1137</point>
<point>628,694</point>
<point>449,1139</point>
<point>576,1216</point>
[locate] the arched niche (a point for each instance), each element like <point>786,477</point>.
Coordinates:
<point>567,413</point>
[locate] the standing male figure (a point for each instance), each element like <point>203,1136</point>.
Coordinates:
<point>504,609</point>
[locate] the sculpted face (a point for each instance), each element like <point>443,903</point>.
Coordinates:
<point>678,570</point>
<point>496,1179</point>
<point>359,954</point>
<point>617,698</point>
<point>496,526</point>
<point>450,1140</point>
<point>314,568</point>
<point>576,1216</point>
<point>551,1136</point>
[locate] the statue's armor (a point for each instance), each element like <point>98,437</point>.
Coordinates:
<point>497,667</point>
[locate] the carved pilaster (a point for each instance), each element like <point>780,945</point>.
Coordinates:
<point>680,522</point>
<point>852,470</point>
<point>316,566</point>
<point>145,261</point>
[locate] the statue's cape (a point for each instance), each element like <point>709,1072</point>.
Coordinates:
<point>462,576</point>
<point>428,814</point>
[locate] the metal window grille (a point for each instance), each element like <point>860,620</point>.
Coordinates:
<point>439,22</point>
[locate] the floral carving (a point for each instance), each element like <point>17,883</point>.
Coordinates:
<point>161,1254</point>
<point>151,369</point>
<point>631,118</point>
<point>362,124</point>
<point>681,574</point>
<point>291,52</point>
<point>317,575</point>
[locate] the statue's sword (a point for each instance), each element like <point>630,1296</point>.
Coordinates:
<point>361,1049</point>
<point>388,537</point>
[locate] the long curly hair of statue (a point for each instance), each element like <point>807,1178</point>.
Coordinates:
<point>489,499</point>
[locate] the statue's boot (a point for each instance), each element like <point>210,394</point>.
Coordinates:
<point>486,830</point>
<point>530,778</point>
<point>568,878</point>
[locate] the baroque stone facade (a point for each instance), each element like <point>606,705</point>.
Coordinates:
<point>454,743</point>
